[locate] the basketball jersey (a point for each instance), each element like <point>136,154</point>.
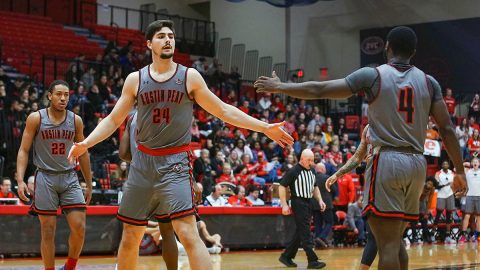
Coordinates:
<point>133,134</point>
<point>399,114</point>
<point>53,142</point>
<point>164,111</point>
<point>444,179</point>
<point>473,182</point>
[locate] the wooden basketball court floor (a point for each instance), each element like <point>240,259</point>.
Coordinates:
<point>464,256</point>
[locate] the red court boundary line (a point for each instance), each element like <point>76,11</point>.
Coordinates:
<point>112,210</point>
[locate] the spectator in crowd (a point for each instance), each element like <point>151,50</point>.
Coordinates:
<point>264,103</point>
<point>445,198</point>
<point>355,220</point>
<point>216,198</point>
<point>218,162</point>
<point>253,193</point>
<point>6,189</point>
<point>473,123</point>
<point>120,175</point>
<point>199,65</point>
<point>234,160</point>
<point>317,120</point>
<point>323,220</point>
<point>432,133</point>
<point>450,102</point>
<point>88,78</point>
<point>463,132</point>
<point>239,198</point>
<point>474,110</point>
<point>30,189</point>
<point>227,175</point>
<point>474,143</point>
<point>243,177</point>
<point>242,149</point>
<point>346,193</point>
<point>344,143</point>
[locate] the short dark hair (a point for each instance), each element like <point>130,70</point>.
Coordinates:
<point>155,26</point>
<point>433,180</point>
<point>57,82</point>
<point>403,41</point>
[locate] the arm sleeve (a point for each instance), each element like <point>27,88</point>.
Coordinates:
<point>289,177</point>
<point>364,80</point>
<point>436,89</point>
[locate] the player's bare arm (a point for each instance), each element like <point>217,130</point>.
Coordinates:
<point>352,163</point>
<point>108,125</point>
<point>334,89</point>
<point>198,89</point>
<point>84,159</point>
<point>124,152</point>
<point>447,132</point>
<point>31,127</point>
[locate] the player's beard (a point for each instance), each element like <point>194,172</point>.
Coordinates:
<point>166,55</point>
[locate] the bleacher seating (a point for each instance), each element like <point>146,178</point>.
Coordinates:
<point>26,38</point>
<point>124,35</point>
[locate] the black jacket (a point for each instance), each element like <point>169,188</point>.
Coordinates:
<point>326,196</point>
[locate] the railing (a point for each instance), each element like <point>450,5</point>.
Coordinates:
<point>193,36</point>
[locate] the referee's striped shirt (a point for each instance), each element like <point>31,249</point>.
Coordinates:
<point>300,180</point>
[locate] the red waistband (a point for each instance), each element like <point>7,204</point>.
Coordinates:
<point>164,151</point>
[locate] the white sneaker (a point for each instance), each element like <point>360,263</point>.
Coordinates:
<point>406,241</point>
<point>449,240</point>
<point>214,250</point>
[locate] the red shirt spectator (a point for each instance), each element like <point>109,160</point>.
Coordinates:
<point>239,199</point>
<point>261,169</point>
<point>346,191</point>
<point>474,142</point>
<point>226,176</point>
<point>450,102</point>
<point>473,123</point>
<point>5,188</point>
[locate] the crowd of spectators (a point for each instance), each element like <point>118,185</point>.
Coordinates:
<point>233,162</point>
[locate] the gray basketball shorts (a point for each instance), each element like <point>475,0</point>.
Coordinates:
<point>53,190</point>
<point>472,205</point>
<point>157,186</point>
<point>446,203</point>
<point>394,183</point>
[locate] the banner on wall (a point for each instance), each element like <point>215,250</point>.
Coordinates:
<point>432,148</point>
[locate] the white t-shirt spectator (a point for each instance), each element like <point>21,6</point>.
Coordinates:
<point>254,201</point>
<point>220,201</point>
<point>462,137</point>
<point>264,103</point>
<point>473,182</point>
<point>444,179</point>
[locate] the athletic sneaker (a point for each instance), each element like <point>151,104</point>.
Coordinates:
<point>449,240</point>
<point>462,239</point>
<point>62,268</point>
<point>406,241</point>
<point>473,239</point>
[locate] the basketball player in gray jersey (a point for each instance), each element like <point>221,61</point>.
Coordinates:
<point>128,145</point>
<point>401,98</point>
<point>160,181</point>
<point>52,131</point>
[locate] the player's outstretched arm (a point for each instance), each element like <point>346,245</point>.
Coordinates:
<point>108,125</point>
<point>84,159</point>
<point>211,103</point>
<point>124,148</point>
<point>447,132</point>
<point>334,89</point>
<point>352,163</point>
<point>31,127</point>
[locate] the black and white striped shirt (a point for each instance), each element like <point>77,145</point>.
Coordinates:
<point>300,180</point>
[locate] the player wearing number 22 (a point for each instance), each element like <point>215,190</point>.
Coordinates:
<point>52,132</point>
<point>401,98</point>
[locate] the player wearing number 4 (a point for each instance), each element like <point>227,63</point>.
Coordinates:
<point>52,132</point>
<point>160,178</point>
<point>401,98</point>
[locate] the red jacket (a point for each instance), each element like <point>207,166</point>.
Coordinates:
<point>346,190</point>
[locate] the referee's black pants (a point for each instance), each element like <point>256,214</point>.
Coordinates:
<point>302,237</point>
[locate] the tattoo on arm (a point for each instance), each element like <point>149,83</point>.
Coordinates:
<point>355,160</point>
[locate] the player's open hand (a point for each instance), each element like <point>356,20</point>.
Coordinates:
<point>285,210</point>
<point>459,183</point>
<point>76,151</point>
<point>88,194</point>
<point>278,134</point>
<point>268,84</point>
<point>330,181</point>
<point>22,191</point>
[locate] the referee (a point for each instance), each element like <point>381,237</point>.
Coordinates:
<point>301,180</point>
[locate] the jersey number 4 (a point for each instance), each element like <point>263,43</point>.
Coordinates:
<point>405,103</point>
<point>58,149</point>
